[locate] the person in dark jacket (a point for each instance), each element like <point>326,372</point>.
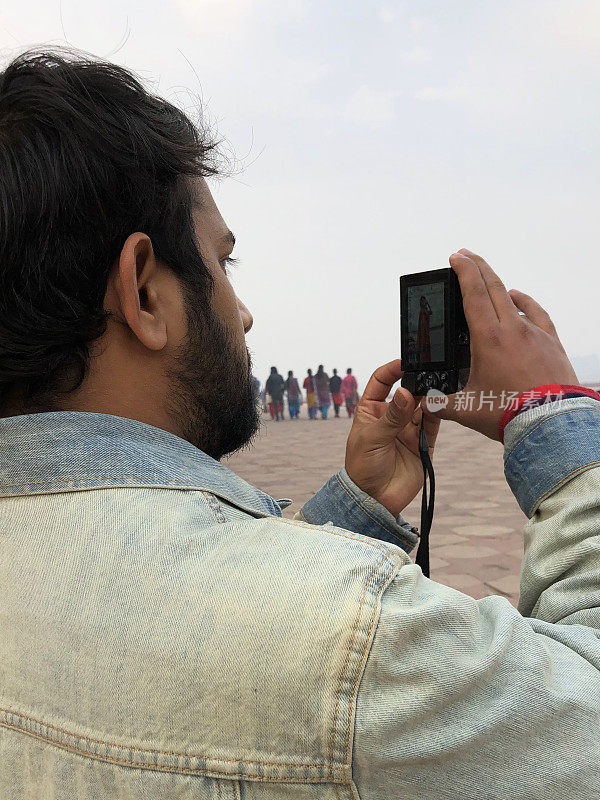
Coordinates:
<point>335,385</point>
<point>275,387</point>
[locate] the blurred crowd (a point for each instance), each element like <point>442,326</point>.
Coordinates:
<point>321,390</point>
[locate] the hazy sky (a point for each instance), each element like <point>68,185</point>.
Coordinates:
<point>376,138</point>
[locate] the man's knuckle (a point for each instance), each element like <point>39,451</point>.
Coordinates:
<point>549,323</point>
<point>496,284</point>
<point>475,297</point>
<point>494,336</point>
<point>477,292</point>
<point>524,329</point>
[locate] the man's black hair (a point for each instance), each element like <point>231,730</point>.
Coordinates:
<point>87,157</point>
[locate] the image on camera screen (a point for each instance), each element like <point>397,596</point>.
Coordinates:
<point>425,324</point>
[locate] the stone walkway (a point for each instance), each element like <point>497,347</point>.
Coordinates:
<point>476,540</point>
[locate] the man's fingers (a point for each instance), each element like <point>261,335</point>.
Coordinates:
<point>533,311</point>
<point>500,298</point>
<point>381,381</point>
<point>399,411</point>
<point>479,309</point>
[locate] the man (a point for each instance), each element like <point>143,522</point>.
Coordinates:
<point>275,387</point>
<point>335,384</point>
<point>164,631</point>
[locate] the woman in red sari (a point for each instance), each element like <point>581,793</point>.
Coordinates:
<point>423,340</point>
<point>349,390</point>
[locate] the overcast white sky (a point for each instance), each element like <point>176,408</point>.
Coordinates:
<point>377,138</point>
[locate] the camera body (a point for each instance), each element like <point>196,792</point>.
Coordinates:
<point>435,345</point>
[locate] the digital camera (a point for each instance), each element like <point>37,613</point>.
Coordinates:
<point>435,346</point>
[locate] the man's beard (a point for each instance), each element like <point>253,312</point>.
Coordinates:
<point>211,398</point>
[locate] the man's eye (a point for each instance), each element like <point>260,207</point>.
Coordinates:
<point>228,263</point>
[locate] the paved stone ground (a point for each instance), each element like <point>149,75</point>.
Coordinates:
<point>476,539</point>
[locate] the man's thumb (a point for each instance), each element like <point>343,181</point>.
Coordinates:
<point>400,409</point>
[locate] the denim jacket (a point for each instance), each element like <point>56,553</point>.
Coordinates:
<point>165,633</point>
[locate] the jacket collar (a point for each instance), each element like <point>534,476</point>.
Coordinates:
<point>65,451</point>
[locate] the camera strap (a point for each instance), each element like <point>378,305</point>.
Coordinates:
<point>422,558</point>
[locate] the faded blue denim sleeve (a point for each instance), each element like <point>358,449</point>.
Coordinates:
<point>552,455</point>
<point>342,503</point>
<point>548,446</point>
<point>472,699</point>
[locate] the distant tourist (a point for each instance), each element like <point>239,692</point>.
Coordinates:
<point>323,397</point>
<point>311,395</point>
<point>269,405</point>
<point>255,387</point>
<point>293,394</point>
<point>350,392</point>
<point>335,385</point>
<point>275,386</point>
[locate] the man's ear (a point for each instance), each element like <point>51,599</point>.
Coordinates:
<point>135,286</point>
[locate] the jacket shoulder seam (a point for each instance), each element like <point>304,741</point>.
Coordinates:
<point>350,536</point>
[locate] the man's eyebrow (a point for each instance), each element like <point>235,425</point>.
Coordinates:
<point>229,238</point>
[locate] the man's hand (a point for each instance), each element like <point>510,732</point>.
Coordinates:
<point>510,352</point>
<point>382,453</point>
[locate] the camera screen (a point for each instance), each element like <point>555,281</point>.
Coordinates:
<point>425,324</point>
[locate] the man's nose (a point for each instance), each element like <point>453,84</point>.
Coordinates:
<point>246,316</point>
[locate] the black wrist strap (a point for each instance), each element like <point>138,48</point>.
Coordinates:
<point>422,558</point>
